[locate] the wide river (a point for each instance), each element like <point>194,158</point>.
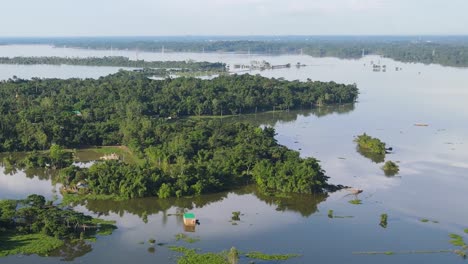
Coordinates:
<point>432,183</point>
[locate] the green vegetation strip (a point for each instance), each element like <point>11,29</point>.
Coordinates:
<point>263,256</point>
<point>456,240</point>
<point>14,244</point>
<point>186,238</point>
<point>117,61</point>
<point>191,256</point>
<point>355,201</point>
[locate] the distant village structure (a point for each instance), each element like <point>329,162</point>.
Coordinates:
<point>263,65</point>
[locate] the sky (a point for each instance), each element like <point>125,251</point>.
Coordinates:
<point>22,18</point>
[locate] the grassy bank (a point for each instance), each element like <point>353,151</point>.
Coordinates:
<point>40,244</point>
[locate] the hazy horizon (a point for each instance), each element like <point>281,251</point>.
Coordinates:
<point>106,18</point>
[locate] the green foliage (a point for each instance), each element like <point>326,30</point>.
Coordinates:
<point>390,168</point>
<point>179,158</point>
<point>55,158</point>
<point>59,158</point>
<point>383,220</point>
<point>235,216</point>
<point>203,156</point>
<point>355,201</point>
<point>165,191</point>
<point>117,61</point>
<point>179,249</point>
<point>190,256</point>
<point>457,240</point>
<point>125,108</point>
<point>233,256</point>
<point>330,213</point>
<point>36,226</point>
<point>184,237</point>
<point>465,230</point>
<point>263,256</point>
<point>37,243</point>
<point>371,148</point>
<point>370,144</point>
<point>106,229</point>
<point>207,258</point>
<point>35,200</point>
<point>287,172</point>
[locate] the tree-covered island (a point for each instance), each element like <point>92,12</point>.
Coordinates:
<point>371,148</point>
<point>175,153</point>
<point>116,61</point>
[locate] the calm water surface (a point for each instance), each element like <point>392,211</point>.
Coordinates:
<point>432,182</point>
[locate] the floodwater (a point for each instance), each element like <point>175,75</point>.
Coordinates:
<point>432,182</point>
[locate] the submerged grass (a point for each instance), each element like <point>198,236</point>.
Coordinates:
<point>180,249</point>
<point>186,238</point>
<point>13,244</point>
<point>388,253</point>
<point>191,256</point>
<point>383,220</point>
<point>355,201</point>
<point>330,215</point>
<point>263,256</point>
<point>425,220</point>
<point>457,240</point>
<point>71,198</point>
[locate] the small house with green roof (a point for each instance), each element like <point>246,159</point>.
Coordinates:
<point>189,219</point>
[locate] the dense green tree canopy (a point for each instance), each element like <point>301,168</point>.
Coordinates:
<point>116,61</point>
<point>196,157</point>
<point>35,215</point>
<point>125,107</point>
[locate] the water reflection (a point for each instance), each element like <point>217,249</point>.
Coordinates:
<point>72,250</point>
<point>305,205</point>
<point>273,118</point>
<point>375,157</point>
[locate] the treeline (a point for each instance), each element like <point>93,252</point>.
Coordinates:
<point>35,215</point>
<point>197,157</point>
<point>448,53</point>
<point>126,107</point>
<point>56,158</point>
<point>116,61</point>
